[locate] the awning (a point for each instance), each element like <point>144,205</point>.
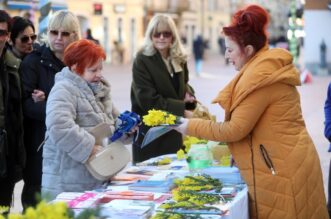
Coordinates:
<point>27,5</point>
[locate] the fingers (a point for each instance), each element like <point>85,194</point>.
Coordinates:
<point>38,95</point>
<point>188,114</point>
<point>189,97</point>
<point>96,149</point>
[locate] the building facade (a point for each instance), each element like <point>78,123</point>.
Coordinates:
<point>317,18</point>
<point>120,24</point>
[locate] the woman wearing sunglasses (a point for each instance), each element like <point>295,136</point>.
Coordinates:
<point>38,70</point>
<point>160,81</point>
<point>17,48</point>
<point>22,37</point>
<point>263,124</point>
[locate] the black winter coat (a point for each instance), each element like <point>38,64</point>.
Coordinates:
<point>12,153</point>
<point>37,70</point>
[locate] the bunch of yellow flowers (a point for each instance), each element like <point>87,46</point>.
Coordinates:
<point>58,210</point>
<point>159,117</point>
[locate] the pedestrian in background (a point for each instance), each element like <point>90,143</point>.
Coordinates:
<point>263,126</point>
<point>38,70</point>
<point>160,81</point>
<point>12,154</point>
<point>327,133</point>
<point>89,36</point>
<point>198,52</point>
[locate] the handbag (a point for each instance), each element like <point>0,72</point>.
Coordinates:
<point>202,112</point>
<point>110,160</point>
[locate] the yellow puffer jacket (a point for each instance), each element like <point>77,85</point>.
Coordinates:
<point>268,139</point>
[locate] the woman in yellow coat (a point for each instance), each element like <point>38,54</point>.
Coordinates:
<point>263,125</point>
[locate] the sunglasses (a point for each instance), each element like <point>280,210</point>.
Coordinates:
<point>63,33</point>
<point>3,33</point>
<point>165,34</point>
<point>25,39</point>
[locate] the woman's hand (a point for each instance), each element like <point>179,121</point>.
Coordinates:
<point>96,149</point>
<point>188,114</point>
<point>182,128</point>
<point>190,101</point>
<point>189,98</point>
<point>38,95</point>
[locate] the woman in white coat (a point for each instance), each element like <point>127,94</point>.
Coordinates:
<point>79,100</point>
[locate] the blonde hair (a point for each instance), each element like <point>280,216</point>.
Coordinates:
<point>65,20</point>
<point>177,50</point>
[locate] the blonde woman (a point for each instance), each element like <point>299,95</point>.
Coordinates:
<point>38,70</point>
<point>160,81</point>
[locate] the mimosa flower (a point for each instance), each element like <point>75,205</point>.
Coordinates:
<point>159,117</point>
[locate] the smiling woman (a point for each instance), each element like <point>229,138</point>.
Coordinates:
<point>160,81</point>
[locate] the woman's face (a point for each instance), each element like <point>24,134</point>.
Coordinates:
<point>24,41</point>
<point>59,39</point>
<point>93,74</point>
<point>162,39</point>
<point>3,35</point>
<point>234,54</point>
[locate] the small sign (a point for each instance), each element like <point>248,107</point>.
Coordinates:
<point>119,8</point>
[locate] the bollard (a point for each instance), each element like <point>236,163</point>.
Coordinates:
<point>323,54</point>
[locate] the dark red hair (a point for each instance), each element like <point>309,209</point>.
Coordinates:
<point>84,53</point>
<point>248,27</point>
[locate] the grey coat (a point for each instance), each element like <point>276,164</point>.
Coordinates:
<point>72,110</point>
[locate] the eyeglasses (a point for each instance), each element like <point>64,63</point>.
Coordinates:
<point>165,34</point>
<point>63,33</point>
<point>3,33</point>
<point>25,39</point>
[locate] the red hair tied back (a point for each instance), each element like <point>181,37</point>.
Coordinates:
<point>248,26</point>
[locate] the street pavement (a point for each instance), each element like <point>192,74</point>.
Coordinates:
<point>215,75</point>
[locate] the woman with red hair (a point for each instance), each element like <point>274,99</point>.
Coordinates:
<point>79,100</point>
<point>263,126</point>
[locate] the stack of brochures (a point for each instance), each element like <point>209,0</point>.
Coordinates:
<point>133,209</point>
<point>228,175</point>
<point>162,186</point>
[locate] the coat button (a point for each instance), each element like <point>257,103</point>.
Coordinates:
<point>41,61</point>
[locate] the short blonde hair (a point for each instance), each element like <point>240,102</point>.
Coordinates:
<point>67,21</point>
<point>177,50</point>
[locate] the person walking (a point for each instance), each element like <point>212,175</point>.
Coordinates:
<point>263,126</point>
<point>198,51</point>
<point>38,70</point>
<point>160,81</point>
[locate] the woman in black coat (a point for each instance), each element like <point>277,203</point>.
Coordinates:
<point>38,70</point>
<point>160,81</point>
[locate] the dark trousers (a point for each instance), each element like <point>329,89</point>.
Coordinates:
<point>32,174</point>
<point>6,191</point>
<point>329,191</point>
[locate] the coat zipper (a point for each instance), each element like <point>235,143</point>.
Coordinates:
<point>253,168</point>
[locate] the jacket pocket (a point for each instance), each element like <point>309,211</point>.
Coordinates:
<point>3,153</point>
<point>267,159</point>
